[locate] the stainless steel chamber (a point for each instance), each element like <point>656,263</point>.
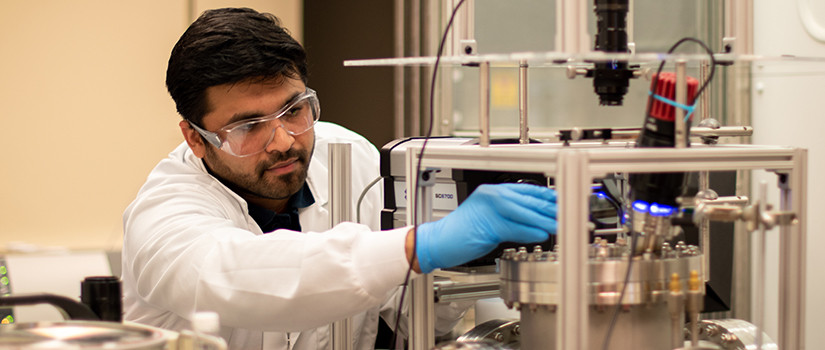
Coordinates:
<point>530,282</point>
<point>80,335</point>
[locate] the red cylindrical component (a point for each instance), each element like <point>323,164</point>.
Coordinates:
<point>666,87</point>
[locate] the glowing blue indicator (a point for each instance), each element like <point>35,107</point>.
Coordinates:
<point>601,195</point>
<point>640,206</point>
<point>657,209</point>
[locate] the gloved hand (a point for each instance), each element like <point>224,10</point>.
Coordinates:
<point>492,214</point>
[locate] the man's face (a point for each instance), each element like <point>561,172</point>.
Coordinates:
<point>281,169</point>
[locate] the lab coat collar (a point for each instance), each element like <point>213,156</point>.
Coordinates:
<point>318,179</point>
<point>193,160</point>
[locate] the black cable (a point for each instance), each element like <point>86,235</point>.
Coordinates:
<point>662,65</point>
<point>633,235</point>
<point>418,168</point>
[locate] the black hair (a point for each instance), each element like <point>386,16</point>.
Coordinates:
<point>227,46</point>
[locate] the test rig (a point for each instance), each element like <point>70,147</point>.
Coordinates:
<point>640,288</point>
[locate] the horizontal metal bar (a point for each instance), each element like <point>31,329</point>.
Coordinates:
<point>450,291</point>
<point>562,59</point>
<point>696,131</point>
<point>613,157</point>
<point>616,133</point>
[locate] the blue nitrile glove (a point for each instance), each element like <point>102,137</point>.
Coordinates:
<point>492,214</point>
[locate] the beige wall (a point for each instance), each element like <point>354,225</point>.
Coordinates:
<point>84,111</point>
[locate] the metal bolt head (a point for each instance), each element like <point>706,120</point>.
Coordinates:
<point>729,338</point>
<point>522,254</point>
<point>710,123</point>
<point>508,253</point>
<point>711,330</point>
<point>498,337</point>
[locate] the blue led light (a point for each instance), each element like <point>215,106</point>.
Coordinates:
<point>657,209</point>
<point>601,195</point>
<point>640,206</point>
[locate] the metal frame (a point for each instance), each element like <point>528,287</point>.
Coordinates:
<point>575,166</point>
<point>340,204</point>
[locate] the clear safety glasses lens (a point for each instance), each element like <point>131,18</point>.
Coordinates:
<point>249,137</point>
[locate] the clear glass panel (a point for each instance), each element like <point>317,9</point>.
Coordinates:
<point>554,101</point>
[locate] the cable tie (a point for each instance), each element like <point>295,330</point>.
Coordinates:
<point>673,103</point>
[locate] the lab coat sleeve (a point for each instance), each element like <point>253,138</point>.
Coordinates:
<point>185,256</point>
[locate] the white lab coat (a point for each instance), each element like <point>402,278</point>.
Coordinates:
<point>190,245</point>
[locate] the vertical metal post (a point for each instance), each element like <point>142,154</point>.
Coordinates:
<point>733,107</point>
<point>415,71</point>
<point>422,299</point>
<point>523,137</point>
<point>792,245</point>
<point>571,26</point>
<point>739,26</point>
<point>463,33</point>
<point>430,35</point>
<point>630,25</point>
<point>573,184</point>
<point>484,103</point>
<point>704,228</point>
<point>681,97</point>
<point>739,39</point>
<point>340,204</point>
<point>398,71</point>
<point>704,71</point>
<point>704,176</point>
<point>761,237</point>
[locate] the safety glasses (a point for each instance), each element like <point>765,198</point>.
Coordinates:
<point>251,136</point>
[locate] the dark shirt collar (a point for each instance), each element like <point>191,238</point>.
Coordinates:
<point>269,220</point>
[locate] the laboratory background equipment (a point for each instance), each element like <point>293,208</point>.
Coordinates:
<point>638,284</point>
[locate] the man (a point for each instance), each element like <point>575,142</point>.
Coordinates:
<point>236,219</point>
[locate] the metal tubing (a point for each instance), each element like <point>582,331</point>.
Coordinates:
<point>484,103</point>
<point>573,184</point>
<point>523,137</point>
<point>340,202</point>
<point>681,97</point>
<point>792,247</point>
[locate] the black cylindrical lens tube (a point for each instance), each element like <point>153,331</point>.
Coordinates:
<point>103,295</point>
